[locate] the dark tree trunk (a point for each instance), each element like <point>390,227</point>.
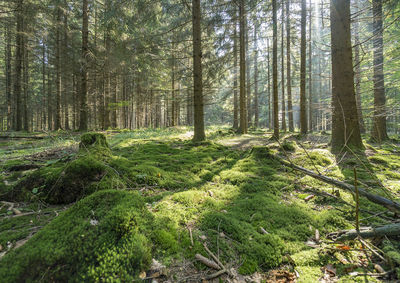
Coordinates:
<point>345,126</point>
<point>8,78</point>
<point>303,100</point>
<point>199,134</point>
<point>243,108</point>
<point>288,68</point>
<point>310,94</point>
<point>57,122</point>
<point>248,86</point>
<point>25,79</point>
<point>65,74</point>
<point>83,109</point>
<point>275,70</point>
<point>18,64</point>
<point>379,131</point>
<point>269,86</point>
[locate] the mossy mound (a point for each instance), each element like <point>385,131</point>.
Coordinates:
<point>66,181</point>
<point>100,239</point>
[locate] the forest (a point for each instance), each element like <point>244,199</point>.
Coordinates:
<point>199,141</point>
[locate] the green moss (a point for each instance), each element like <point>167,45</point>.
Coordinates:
<point>88,242</point>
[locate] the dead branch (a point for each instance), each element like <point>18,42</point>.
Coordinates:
<point>367,232</point>
<point>207,262</point>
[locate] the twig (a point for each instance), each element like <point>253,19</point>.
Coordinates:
<point>207,261</point>
<point>216,274</point>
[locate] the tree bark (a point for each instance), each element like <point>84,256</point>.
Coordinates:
<point>249,113</point>
<point>199,134</point>
<point>8,77</point>
<point>57,122</point>
<point>283,69</point>
<point>345,125</point>
<point>18,64</point>
<point>235,77</point>
<point>243,107</point>
<point>369,232</point>
<point>83,109</point>
<point>379,131</point>
<point>358,71</point>
<point>256,106</point>
<point>303,100</point>
<point>275,70</point>
<point>310,81</point>
<point>65,74</point>
<point>288,68</point>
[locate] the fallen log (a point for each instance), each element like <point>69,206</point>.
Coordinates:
<point>23,137</point>
<point>389,204</point>
<point>367,232</point>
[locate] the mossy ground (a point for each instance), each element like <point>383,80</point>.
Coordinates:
<point>162,184</point>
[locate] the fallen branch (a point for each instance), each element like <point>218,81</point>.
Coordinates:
<point>367,232</point>
<point>22,137</point>
<point>216,274</point>
<point>389,204</point>
<point>207,262</point>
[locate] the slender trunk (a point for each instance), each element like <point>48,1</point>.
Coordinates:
<point>173,86</point>
<point>269,87</point>
<point>235,78</point>
<point>66,75</point>
<point>25,80</point>
<point>83,116</point>
<point>275,70</point>
<point>8,77</point>
<point>283,70</point>
<point>345,126</point>
<point>379,131</point>
<point>242,64</point>
<point>303,101</point>
<point>199,134</point>
<point>288,68</point>
<point>57,121</point>
<point>18,65</point>
<point>256,110</point>
<point>248,89</point>
<point>358,71</point>
<point>310,96</point>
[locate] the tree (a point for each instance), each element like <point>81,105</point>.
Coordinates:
<point>275,69</point>
<point>83,116</point>
<point>199,134</point>
<point>256,106</point>
<point>288,68</point>
<point>57,122</point>
<point>235,76</point>
<point>379,131</point>
<point>18,64</point>
<point>283,69</point>
<point>242,66</point>
<point>345,126</point>
<point>303,100</point>
<point>310,81</point>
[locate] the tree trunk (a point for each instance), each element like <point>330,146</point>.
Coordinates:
<point>283,69</point>
<point>358,71</point>
<point>8,78</point>
<point>275,70</point>
<point>288,68</point>
<point>25,79</point>
<point>248,89</point>
<point>199,134</point>
<point>18,64</point>
<point>269,86</point>
<point>65,74</point>
<point>235,78</point>
<point>83,116</point>
<point>345,125</point>
<point>242,95</point>
<point>379,131</point>
<point>256,106</point>
<point>57,122</point>
<point>310,81</point>
<point>303,100</point>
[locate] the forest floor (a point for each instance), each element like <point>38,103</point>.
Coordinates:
<point>148,206</point>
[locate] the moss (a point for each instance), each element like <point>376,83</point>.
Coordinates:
<point>86,243</point>
<point>288,146</point>
<point>93,140</point>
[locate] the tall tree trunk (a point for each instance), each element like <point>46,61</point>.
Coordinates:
<point>199,134</point>
<point>57,122</point>
<point>379,131</point>
<point>275,70</point>
<point>83,116</point>
<point>49,95</point>
<point>235,78</point>
<point>303,100</point>
<point>288,68</point>
<point>18,64</point>
<point>345,126</point>
<point>283,69</point>
<point>256,106</point>
<point>358,71</point>
<point>65,74</point>
<point>248,86</point>
<point>25,79</point>
<point>173,87</point>
<point>269,87</point>
<point>8,77</point>
<point>242,66</point>
<point>310,82</point>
